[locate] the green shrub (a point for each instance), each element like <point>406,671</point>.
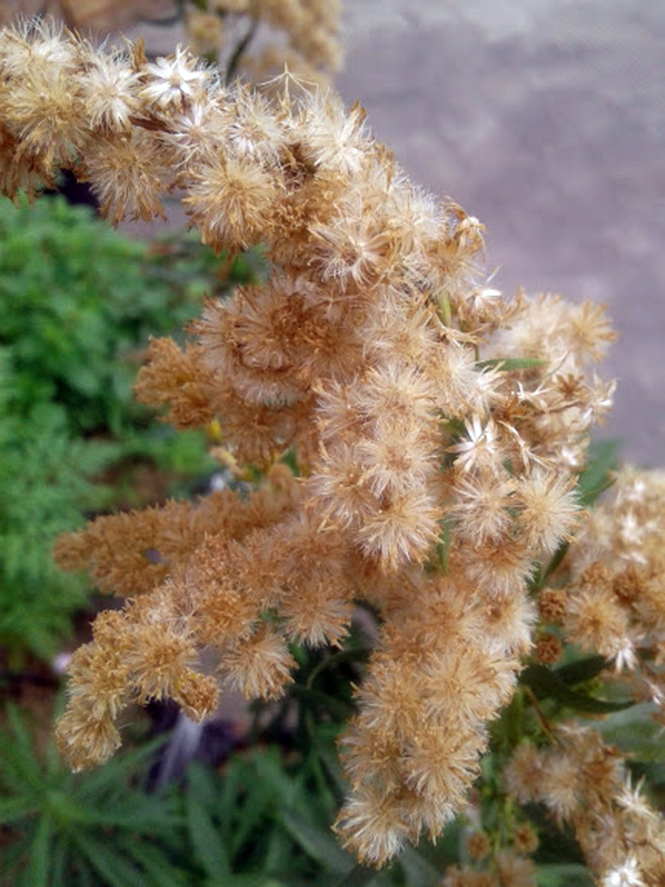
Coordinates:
<point>263,820</point>
<point>79,302</point>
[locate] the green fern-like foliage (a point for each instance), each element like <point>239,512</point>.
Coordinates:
<point>44,484</point>
<point>79,302</point>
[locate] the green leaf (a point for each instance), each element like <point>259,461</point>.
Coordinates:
<point>206,841</point>
<point>86,874</point>
<point>326,798</point>
<point>19,767</point>
<point>287,789</point>
<point>319,845</point>
<point>229,802</point>
<point>250,880</point>
<point>443,307</point>
<point>37,870</point>
<point>597,475</point>
<point>570,874</point>
<point>510,363</point>
<point>12,809</point>
<point>635,734</point>
<point>547,684</point>
<point>359,876</point>
<point>279,852</point>
<point>541,577</point>
<point>255,807</point>
<point>418,871</point>
<point>330,759</point>
<point>59,865</point>
<point>581,670</point>
<point>114,869</point>
<point>155,862</point>
<point>118,769</point>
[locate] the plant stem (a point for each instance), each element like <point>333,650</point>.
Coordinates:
<point>541,717</point>
<point>240,49</point>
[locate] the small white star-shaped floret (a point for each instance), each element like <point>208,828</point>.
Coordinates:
<point>480,447</point>
<point>626,875</point>
<point>174,79</point>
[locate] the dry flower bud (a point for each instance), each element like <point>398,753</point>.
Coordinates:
<point>260,667</point>
<point>552,605</point>
<point>548,649</point>
<point>515,870</point>
<point>478,845</point>
<point>524,773</point>
<point>525,839</point>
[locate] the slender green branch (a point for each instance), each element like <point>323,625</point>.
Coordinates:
<point>240,49</point>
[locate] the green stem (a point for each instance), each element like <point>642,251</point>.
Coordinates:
<point>234,61</point>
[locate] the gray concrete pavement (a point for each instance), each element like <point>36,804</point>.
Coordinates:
<point>546,119</point>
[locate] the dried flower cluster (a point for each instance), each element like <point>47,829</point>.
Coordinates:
<point>584,782</point>
<point>505,868</point>
<point>438,428</point>
<point>615,597</point>
<point>252,37</point>
<point>605,597</point>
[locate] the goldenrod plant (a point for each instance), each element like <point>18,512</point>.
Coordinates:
<point>413,442</point>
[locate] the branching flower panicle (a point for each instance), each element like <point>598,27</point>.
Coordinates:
<point>439,430</point>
